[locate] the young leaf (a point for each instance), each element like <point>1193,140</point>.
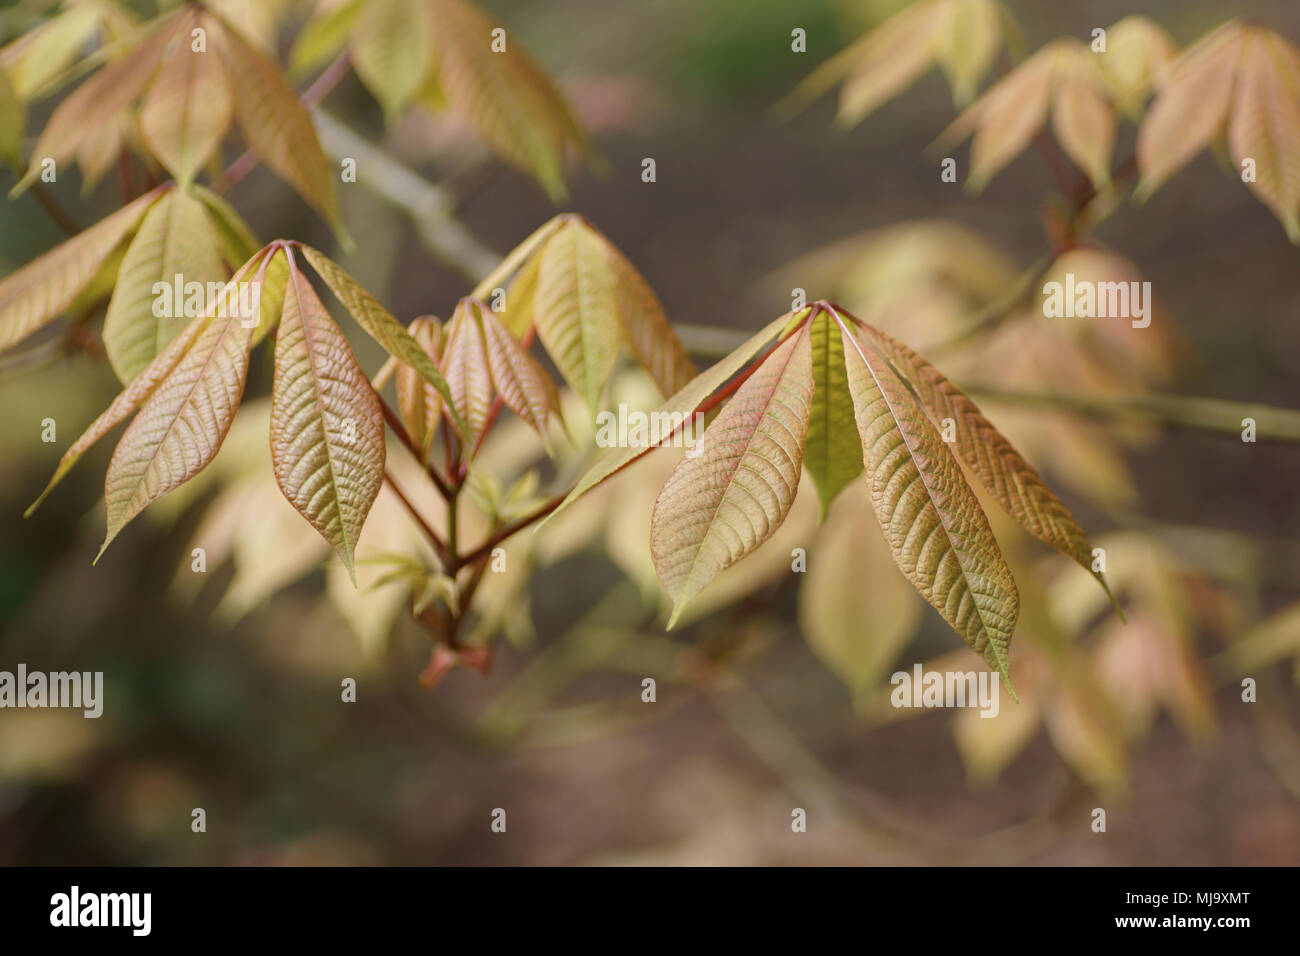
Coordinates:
<point>684,403</point>
<point>238,244</point>
<point>511,102</point>
<point>35,59</point>
<point>188,108</point>
<point>576,310</point>
<point>521,382</point>
<point>966,45</point>
<point>1265,124</point>
<point>651,339</point>
<point>128,400</point>
<point>1081,120</point>
<point>465,366</point>
<point>1006,117</point>
<point>937,533</point>
<point>1191,107</point>
<point>278,126</point>
<point>719,506</point>
<point>961,36</point>
<point>324,35</point>
<point>272,286</point>
<point>392,50</point>
<point>1137,52</point>
<point>1010,480</point>
<point>419,404</point>
<point>42,289</point>
<point>832,453</point>
<point>520,312</point>
<point>174,240</point>
<point>181,426</point>
<point>327,429</point>
<point>100,101</point>
<point>382,327</point>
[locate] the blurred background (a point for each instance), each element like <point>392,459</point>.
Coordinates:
<point>223,689</point>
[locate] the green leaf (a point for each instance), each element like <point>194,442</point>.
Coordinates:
<point>51,48</point>
<point>937,533</point>
<point>175,239</point>
<point>41,290</point>
<point>238,244</point>
<point>273,284</point>
<point>720,504</point>
<point>323,37</point>
<point>392,51</point>
<point>382,327</point>
<point>576,310</point>
<point>832,454</point>
<point>327,429</point>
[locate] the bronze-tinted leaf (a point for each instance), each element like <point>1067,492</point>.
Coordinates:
<point>42,289</point>
<point>189,105</point>
<point>179,429</point>
<point>513,104</point>
<point>936,530</point>
<point>327,428</point>
<point>684,403</point>
<point>418,402</point>
<point>465,366</point>
<point>277,126</point>
<point>723,502</point>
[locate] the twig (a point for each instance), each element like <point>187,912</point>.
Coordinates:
<point>429,207</point>
<point>1179,411</point>
<point>507,531</point>
<point>62,218</point>
<point>434,539</point>
<point>403,436</point>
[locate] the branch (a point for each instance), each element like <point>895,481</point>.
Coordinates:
<point>506,531</point>
<point>430,207</point>
<point>439,548</point>
<point>1178,411</point>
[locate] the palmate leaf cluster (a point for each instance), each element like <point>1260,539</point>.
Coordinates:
<point>1236,89</point>
<point>835,396</point>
